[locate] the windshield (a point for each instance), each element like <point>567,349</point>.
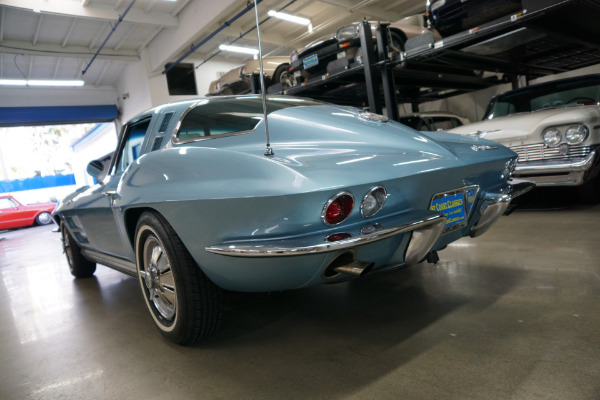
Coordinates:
<point>553,94</point>
<point>225,116</point>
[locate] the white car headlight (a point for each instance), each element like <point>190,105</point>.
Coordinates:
<point>347,32</point>
<point>576,134</point>
<point>552,137</point>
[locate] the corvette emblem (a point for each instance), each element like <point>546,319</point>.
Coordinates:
<point>483,147</point>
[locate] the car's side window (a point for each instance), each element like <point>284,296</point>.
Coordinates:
<point>132,145</point>
<point>6,203</point>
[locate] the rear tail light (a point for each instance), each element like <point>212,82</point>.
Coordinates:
<point>338,208</point>
<point>373,201</point>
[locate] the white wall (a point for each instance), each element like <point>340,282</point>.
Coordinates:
<point>134,93</point>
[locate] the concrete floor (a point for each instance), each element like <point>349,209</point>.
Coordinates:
<point>514,314</point>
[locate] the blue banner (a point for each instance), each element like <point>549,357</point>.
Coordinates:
<point>37,182</point>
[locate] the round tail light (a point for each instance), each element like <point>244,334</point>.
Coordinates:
<point>338,208</point>
<point>373,201</point>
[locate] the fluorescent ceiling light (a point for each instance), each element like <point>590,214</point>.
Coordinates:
<point>289,18</point>
<point>238,49</point>
<point>13,82</point>
<point>36,82</point>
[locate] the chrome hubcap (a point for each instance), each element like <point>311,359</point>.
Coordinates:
<point>158,279</point>
<point>45,218</point>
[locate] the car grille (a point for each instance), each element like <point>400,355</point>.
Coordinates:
<point>538,152</point>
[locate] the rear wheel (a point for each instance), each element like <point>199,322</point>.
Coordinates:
<point>397,42</point>
<point>80,266</point>
<point>43,218</point>
<point>185,305</point>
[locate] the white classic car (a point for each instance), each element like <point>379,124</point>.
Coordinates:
<point>554,127</point>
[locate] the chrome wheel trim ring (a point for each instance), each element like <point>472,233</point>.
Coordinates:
<point>156,278</point>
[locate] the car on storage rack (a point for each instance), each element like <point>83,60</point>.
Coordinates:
<point>239,80</point>
<point>13,214</point>
<point>194,202</point>
<point>433,121</point>
<point>453,16</point>
<point>554,127</point>
<point>343,47</point>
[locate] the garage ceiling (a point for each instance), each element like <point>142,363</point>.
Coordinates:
<point>57,39</point>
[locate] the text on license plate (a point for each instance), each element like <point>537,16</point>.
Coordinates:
<point>310,61</point>
<point>453,206</point>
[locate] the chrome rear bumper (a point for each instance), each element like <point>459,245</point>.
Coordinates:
<point>426,231</point>
<point>494,207</point>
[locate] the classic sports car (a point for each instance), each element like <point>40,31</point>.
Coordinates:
<point>193,203</point>
<point>433,121</point>
<point>453,16</point>
<point>237,80</point>
<point>554,127</point>
<point>16,215</point>
<point>343,47</point>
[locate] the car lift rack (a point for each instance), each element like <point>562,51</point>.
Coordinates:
<point>546,37</point>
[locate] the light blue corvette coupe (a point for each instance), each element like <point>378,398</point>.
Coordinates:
<point>192,204</point>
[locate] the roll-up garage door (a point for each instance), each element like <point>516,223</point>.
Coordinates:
<point>27,116</point>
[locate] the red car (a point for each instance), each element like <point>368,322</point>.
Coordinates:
<point>15,215</point>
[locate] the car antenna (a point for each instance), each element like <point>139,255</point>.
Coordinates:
<point>268,149</point>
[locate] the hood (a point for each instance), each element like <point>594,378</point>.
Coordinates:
<point>524,126</point>
<point>314,45</point>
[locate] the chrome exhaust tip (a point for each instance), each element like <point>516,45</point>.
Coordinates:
<point>346,263</point>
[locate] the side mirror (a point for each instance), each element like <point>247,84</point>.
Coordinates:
<point>95,168</point>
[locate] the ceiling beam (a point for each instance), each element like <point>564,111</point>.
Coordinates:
<point>69,33</point>
<point>72,8</point>
<point>363,7</point>
<point>56,66</point>
<point>198,15</point>
<point>124,37</point>
<point>37,29</point>
<point>56,50</point>
<point>101,75</point>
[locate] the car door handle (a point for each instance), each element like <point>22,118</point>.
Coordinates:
<point>111,194</point>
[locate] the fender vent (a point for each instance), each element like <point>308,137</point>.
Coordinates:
<point>157,143</point>
<point>165,122</point>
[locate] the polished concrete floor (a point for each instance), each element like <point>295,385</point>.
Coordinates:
<point>514,314</point>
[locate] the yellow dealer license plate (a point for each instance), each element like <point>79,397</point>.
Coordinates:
<point>455,205</point>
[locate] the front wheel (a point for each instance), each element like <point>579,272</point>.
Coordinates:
<point>185,305</point>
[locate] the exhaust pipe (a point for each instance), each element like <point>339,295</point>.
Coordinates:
<point>346,264</point>
<point>356,268</point>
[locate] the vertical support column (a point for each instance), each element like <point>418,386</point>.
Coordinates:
<point>373,92</point>
<point>387,76</point>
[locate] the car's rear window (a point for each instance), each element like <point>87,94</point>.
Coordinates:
<point>225,116</point>
<point>553,94</point>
